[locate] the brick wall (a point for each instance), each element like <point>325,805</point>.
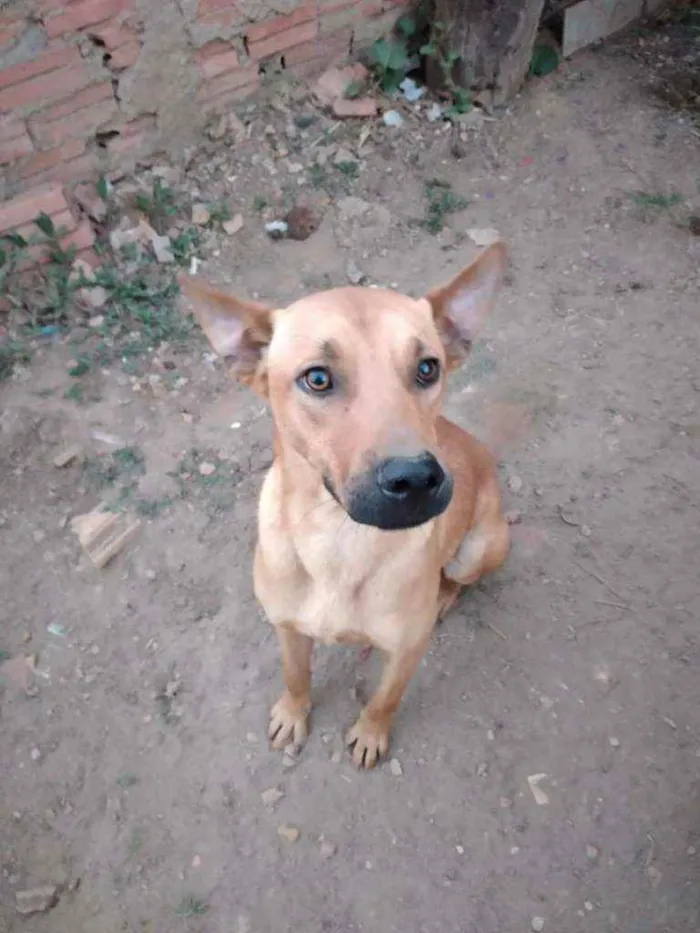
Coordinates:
<point>91,87</point>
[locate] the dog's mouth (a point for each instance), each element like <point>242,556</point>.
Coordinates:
<point>397,494</point>
<point>330,489</point>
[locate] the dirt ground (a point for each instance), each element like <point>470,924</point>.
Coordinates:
<point>546,769</point>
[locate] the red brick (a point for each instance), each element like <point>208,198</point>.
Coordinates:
<point>223,20</point>
<point>328,48</point>
<point>46,61</point>
<point>122,144</point>
<point>219,64</point>
<point>15,148</point>
<point>48,199</point>
<point>211,49</point>
<point>64,219</point>
<point>113,34</point>
<point>125,56</point>
<point>80,169</point>
<point>80,124</point>
<point>257,32</point>
<point>90,257</point>
<point>223,103</point>
<point>207,6</point>
<point>46,6</point>
<point>82,238</point>
<point>341,15</point>
<point>42,161</point>
<point>84,168</point>
<point>82,13</point>
<point>281,41</point>
<point>46,87</point>
<point>10,126</point>
<point>138,125</point>
<point>91,95</point>
<point>137,134</point>
<point>232,81</point>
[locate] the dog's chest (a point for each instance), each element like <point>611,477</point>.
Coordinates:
<point>337,581</point>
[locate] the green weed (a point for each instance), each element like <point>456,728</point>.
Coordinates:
<point>125,464</point>
<point>655,201</point>
<point>350,170</point>
<point>441,201</point>
<point>219,213</point>
<point>190,906</point>
<point>159,205</point>
<point>125,779</point>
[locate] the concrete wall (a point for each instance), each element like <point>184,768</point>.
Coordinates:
<point>89,86</point>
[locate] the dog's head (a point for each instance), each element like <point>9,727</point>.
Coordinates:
<point>355,378</point>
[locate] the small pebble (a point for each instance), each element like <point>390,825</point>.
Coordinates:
<point>515,483</point>
<point>206,468</point>
<point>328,850</point>
<point>537,924</point>
<point>588,906</point>
<point>36,900</point>
<point>271,796</point>
<point>592,853</point>
<point>395,767</point>
<point>614,743</point>
<point>35,754</point>
<point>290,833</point>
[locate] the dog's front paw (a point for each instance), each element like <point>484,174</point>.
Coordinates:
<point>368,741</point>
<point>288,722</point>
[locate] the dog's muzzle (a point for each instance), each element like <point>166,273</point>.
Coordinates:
<point>400,492</point>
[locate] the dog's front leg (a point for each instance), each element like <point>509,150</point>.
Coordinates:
<point>369,737</point>
<point>290,712</point>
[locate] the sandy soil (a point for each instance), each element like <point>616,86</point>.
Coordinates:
<point>132,772</point>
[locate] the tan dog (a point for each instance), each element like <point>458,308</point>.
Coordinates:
<point>376,510</point>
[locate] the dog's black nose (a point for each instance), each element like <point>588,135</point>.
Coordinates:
<point>410,478</point>
<point>399,493</point>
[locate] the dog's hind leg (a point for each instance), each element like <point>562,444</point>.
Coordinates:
<point>482,550</point>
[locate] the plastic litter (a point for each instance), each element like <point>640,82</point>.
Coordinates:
<point>411,91</point>
<point>392,118</point>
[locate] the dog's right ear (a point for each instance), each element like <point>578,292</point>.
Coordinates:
<point>461,306</point>
<point>238,331</point>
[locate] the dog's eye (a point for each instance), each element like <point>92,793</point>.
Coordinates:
<point>317,379</point>
<point>428,372</point>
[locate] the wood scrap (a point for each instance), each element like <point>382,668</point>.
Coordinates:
<point>103,535</point>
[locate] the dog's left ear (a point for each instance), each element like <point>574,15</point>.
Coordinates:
<point>461,306</point>
<point>238,331</point>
